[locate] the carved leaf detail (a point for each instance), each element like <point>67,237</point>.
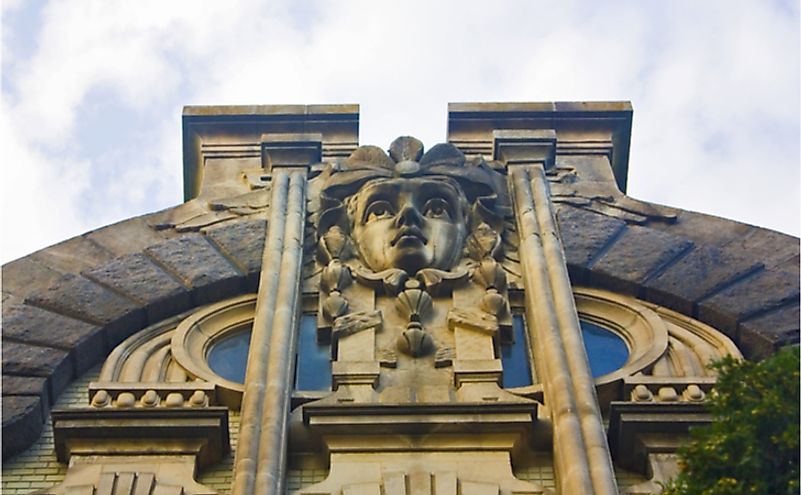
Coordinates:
<point>413,303</point>
<point>493,303</point>
<point>483,242</point>
<point>334,306</point>
<point>334,244</point>
<point>335,276</point>
<point>490,274</point>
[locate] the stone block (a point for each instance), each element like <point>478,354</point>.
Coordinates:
<point>760,337</point>
<point>757,294</point>
<point>126,237</point>
<point>29,324</point>
<point>199,266</point>
<point>79,297</point>
<point>26,275</point>
<point>702,271</point>
<point>45,362</point>
<point>141,280</point>
<point>772,248</point>
<point>22,422</point>
<point>637,255</point>
<point>24,385</point>
<point>243,242</point>
<point>704,229</point>
<point>73,255</point>
<point>584,234</point>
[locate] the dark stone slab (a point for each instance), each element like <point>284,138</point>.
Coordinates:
<point>771,248</point>
<point>22,422</point>
<point>29,324</point>
<point>26,275</point>
<point>73,255</point>
<point>79,297</point>
<point>46,362</point>
<point>699,273</point>
<point>24,385</point>
<point>199,266</point>
<point>584,235</point>
<point>704,229</point>
<point>243,242</point>
<point>140,279</point>
<point>765,291</point>
<point>637,255</point>
<point>129,236</point>
<point>760,337</point>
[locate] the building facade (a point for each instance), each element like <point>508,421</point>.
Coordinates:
<point>490,315</point>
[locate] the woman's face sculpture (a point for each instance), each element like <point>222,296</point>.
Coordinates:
<point>410,223</point>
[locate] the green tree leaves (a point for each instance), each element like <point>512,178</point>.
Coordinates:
<point>753,445</point>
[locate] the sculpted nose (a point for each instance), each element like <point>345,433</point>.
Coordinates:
<point>407,216</point>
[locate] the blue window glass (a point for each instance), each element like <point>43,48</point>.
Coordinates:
<point>313,370</point>
<point>229,357</point>
<point>605,350</point>
<point>514,357</point>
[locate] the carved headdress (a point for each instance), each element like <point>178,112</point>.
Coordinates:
<point>481,185</point>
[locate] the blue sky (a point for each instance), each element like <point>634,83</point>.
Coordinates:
<point>92,91</point>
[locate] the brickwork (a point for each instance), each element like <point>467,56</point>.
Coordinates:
<point>37,467</point>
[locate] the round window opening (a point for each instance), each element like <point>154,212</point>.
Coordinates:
<point>228,357</point>
<point>606,351</point>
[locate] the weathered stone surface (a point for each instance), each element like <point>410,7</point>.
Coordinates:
<point>24,385</point>
<point>760,337</point>
<point>770,247</point>
<point>243,242</point>
<point>30,360</point>
<point>751,296</point>
<point>704,229</point>
<point>26,275</point>
<point>128,236</point>
<point>141,280</point>
<point>584,234</point>
<point>73,255</point>
<point>33,325</point>
<point>700,272</point>
<point>22,422</point>
<point>81,298</point>
<point>199,266</point>
<point>638,254</point>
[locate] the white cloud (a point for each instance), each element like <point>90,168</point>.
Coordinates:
<point>714,87</point>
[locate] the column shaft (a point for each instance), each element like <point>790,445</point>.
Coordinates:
<point>581,454</point>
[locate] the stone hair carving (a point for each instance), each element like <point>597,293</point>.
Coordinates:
<point>413,224</point>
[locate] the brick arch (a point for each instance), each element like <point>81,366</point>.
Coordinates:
<point>65,307</point>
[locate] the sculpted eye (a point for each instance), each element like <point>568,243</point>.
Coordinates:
<point>437,208</point>
<point>377,210</point>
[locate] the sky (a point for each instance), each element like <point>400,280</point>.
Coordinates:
<point>92,91</point>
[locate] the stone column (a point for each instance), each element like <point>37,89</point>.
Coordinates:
<point>581,454</point>
<point>260,461</point>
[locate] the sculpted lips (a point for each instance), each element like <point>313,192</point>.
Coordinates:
<point>411,232</point>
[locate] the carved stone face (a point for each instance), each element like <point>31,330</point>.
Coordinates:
<point>410,223</point>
